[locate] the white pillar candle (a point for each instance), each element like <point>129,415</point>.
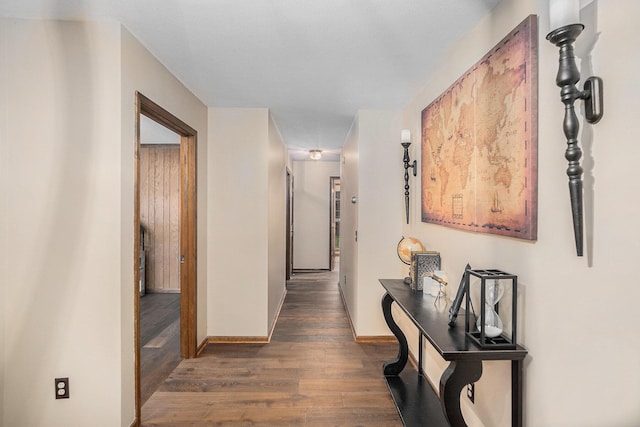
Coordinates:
<point>405,135</point>
<point>563,12</point>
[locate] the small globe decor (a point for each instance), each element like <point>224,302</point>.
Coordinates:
<point>406,246</point>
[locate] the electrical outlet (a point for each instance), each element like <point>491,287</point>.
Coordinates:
<point>471,392</point>
<point>62,388</point>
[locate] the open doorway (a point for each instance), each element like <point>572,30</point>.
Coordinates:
<point>289,226</point>
<point>159,271</point>
<point>159,267</point>
<point>334,233</point>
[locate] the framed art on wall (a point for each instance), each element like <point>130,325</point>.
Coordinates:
<point>479,143</point>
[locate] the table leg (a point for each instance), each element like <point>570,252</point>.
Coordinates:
<point>394,367</point>
<point>420,357</point>
<point>516,393</point>
<point>458,374</point>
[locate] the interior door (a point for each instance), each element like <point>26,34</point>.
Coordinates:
<point>289,257</point>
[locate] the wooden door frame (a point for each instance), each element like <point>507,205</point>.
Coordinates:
<point>188,206</point>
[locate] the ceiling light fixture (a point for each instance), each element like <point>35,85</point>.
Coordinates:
<point>315,154</point>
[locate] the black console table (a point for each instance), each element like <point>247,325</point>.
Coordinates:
<point>415,400</point>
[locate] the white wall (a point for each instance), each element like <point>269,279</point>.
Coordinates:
<point>381,198</point>
<point>373,171</point>
<point>70,88</point>
<point>63,205</point>
<point>349,187</point>
<point>144,73</point>
<point>311,212</point>
<point>238,222</point>
<point>277,220</point>
<point>582,363</point>
<point>4,201</point>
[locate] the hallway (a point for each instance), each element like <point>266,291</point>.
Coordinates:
<point>312,373</point>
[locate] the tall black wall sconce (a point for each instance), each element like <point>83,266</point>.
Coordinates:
<point>406,142</point>
<point>564,18</point>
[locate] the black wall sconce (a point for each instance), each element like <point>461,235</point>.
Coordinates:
<point>565,29</point>
<point>405,139</point>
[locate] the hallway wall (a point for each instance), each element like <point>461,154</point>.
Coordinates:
<point>583,353</point>
<point>4,199</point>
<point>68,98</point>
<point>62,243</point>
<point>277,221</point>
<point>311,212</point>
<point>372,172</point>
<point>238,223</point>
<point>349,187</point>
<point>246,222</point>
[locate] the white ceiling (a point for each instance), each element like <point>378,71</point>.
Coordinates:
<point>313,63</point>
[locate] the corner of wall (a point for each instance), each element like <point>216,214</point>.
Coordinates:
<point>349,222</point>
<point>276,221</point>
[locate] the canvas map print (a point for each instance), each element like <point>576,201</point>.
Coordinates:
<point>479,143</point>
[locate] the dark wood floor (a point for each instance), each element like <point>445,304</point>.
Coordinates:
<point>312,373</point>
<point>159,340</point>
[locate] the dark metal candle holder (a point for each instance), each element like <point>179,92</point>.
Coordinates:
<point>568,76</point>
<point>407,165</point>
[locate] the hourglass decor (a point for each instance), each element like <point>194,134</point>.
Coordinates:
<point>487,329</point>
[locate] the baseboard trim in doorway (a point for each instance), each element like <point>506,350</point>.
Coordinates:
<point>202,346</point>
<point>161,291</point>
<point>310,270</point>
<point>277,316</point>
<point>230,340</point>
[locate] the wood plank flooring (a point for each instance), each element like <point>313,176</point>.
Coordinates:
<point>159,338</point>
<point>312,373</point>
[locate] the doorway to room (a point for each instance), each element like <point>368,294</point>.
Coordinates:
<point>165,250</point>
<point>334,232</point>
<point>289,225</point>
<point>159,167</point>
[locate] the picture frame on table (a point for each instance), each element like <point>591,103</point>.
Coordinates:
<point>457,302</point>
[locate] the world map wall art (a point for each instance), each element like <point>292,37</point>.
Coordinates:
<point>480,143</point>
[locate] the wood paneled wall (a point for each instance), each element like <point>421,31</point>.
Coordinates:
<point>160,215</point>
